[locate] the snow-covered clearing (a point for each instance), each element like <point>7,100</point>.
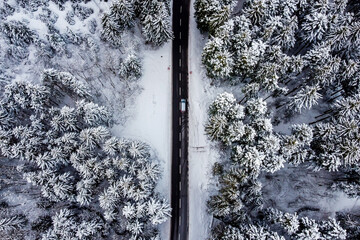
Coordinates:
<point>151,118</point>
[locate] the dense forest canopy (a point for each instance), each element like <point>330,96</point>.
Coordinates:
<point>289,58</point>
<point>102,183</point>
<point>68,71</point>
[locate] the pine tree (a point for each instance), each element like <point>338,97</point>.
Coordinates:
<point>248,58</point>
<point>93,114</point>
<point>130,68</point>
<point>158,211</point>
<point>220,65</point>
<point>350,151</point>
<point>286,35</point>
<point>110,32</point>
<point>249,158</point>
<point>305,98</point>
<point>110,146</point>
<point>210,14</point>
<point>216,127</point>
<point>60,83</point>
<point>135,228</point>
<point>348,107</point>
<point>310,230</point>
<point>251,90</point>
<point>84,190</point>
<point>219,17</point>
<point>12,223</point>
<point>315,26</point>
<point>331,229</point>
<point>120,17</point>
<point>255,10</point>
<point>122,13</point>
<point>18,33</point>
<point>303,133</point>
<point>157,27</point>
<point>67,225</point>
<point>138,150</point>
<point>219,206</point>
<point>256,107</point>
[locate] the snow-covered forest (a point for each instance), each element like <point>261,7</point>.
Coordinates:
<point>274,106</point>
<point>293,116</point>
<point>69,71</point>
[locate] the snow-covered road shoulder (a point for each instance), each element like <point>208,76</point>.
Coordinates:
<point>201,156</point>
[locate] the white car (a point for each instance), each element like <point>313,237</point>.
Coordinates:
<point>183,105</point>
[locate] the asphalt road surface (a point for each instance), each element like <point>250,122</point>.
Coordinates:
<point>179,168</point>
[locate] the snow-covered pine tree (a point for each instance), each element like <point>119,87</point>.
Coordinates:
<point>81,11</point>
<point>209,14</point>
<point>219,17</point>
<point>120,17</point>
<point>305,98</point>
<point>68,225</point>
<point>217,60</point>
<point>256,107</point>
<point>156,26</point>
<point>60,83</point>
<point>17,54</point>
<point>158,211</point>
<point>93,114</point>
<point>72,157</point>
<point>122,13</point>
<point>348,221</point>
<point>6,10</point>
<point>12,223</point>
<point>244,231</point>
<point>303,133</point>
<point>315,26</point>
<point>130,68</point>
<point>18,33</point>
<point>331,229</point>
<point>347,107</point>
<point>57,43</point>
<point>305,228</point>
<point>110,30</point>
<point>286,35</point>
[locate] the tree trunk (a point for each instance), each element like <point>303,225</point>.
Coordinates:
<point>268,97</point>
<point>319,120</point>
<point>281,105</point>
<point>336,92</point>
<point>242,100</point>
<point>326,112</point>
<point>334,98</point>
<point>296,88</point>
<point>302,47</point>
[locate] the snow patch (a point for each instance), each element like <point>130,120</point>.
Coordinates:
<point>151,118</point>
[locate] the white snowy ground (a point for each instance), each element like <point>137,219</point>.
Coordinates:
<point>151,116</point>
<point>201,155</point>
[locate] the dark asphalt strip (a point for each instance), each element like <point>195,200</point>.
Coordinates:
<point>179,167</point>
